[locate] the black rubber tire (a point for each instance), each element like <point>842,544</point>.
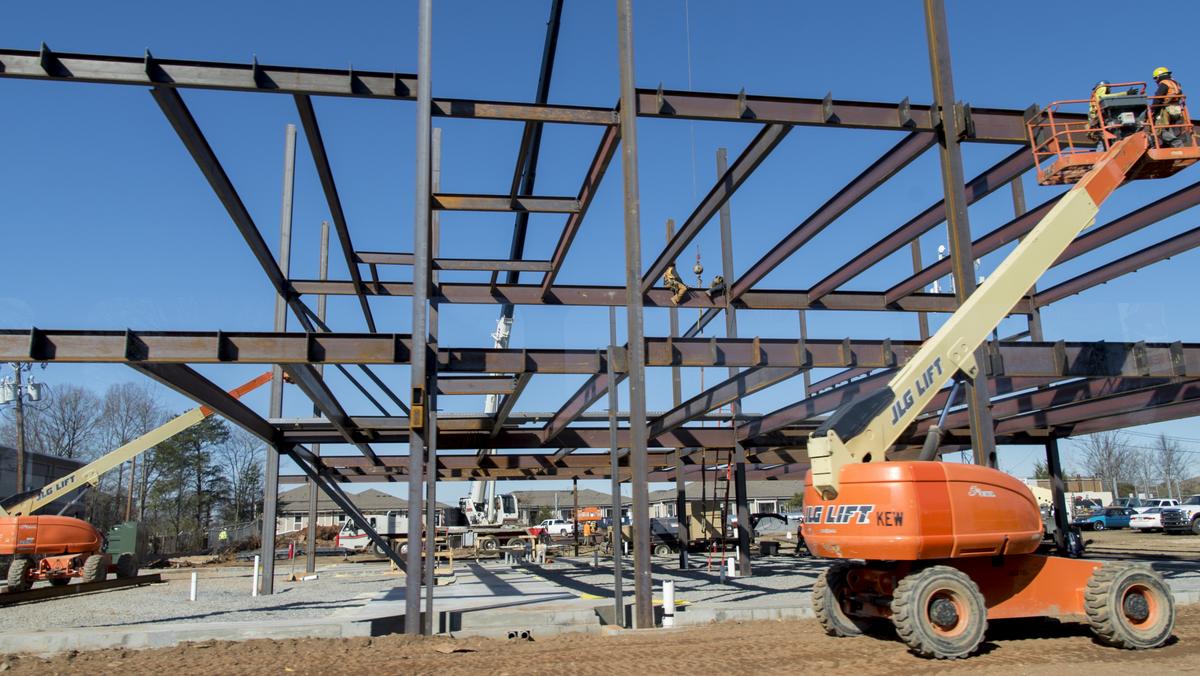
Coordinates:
<point>94,568</point>
<point>60,581</point>
<point>1098,525</point>
<point>402,550</point>
<point>662,550</point>
<point>488,543</point>
<point>127,566</point>
<point>1196,525</point>
<point>827,604</point>
<point>1114,597</point>
<point>913,605</point>
<point>18,577</point>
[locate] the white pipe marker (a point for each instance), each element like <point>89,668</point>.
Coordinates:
<point>668,603</point>
<point>192,594</point>
<point>254,590</point>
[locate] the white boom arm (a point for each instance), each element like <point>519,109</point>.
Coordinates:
<point>864,429</point>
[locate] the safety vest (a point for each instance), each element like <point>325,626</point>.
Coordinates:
<point>1174,91</point>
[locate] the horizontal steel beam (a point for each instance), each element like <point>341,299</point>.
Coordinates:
<point>587,394</point>
<point>509,401</point>
<point>481,264</point>
<point>604,296</point>
<point>1126,264</point>
<point>989,124</point>
<point>449,385</point>
<point>756,151</point>
<point>1083,359</point>
<point>900,156</point>
<point>553,205</point>
<point>316,389</point>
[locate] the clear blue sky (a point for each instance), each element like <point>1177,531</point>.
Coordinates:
<point>108,223</point>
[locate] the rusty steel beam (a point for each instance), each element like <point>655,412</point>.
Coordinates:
<point>989,124</point>
<point>1074,359</point>
<point>982,185</point>
<point>1133,221</point>
<point>203,391</point>
<point>475,264</point>
<point>591,183</point>
<point>837,379</point>
<point>1009,232</point>
<point>755,152</point>
<point>735,387</point>
<point>316,145</point>
<point>530,204</point>
<point>1126,264</point>
<point>613,296</point>
<point>459,385</point>
<point>874,176</point>
<point>507,404</point>
<point>1129,403</point>
<point>315,388</point>
<point>587,394</point>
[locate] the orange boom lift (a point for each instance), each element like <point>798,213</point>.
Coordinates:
<point>939,549</point>
<point>58,548</point>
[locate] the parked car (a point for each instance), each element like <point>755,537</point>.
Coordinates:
<point>1183,518</point>
<point>1156,502</point>
<point>1109,517</point>
<point>1148,519</point>
<point>557,527</point>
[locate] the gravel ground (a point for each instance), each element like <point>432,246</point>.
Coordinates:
<point>223,596</point>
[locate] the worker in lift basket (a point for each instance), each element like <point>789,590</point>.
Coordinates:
<point>1167,108</point>
<point>674,284</point>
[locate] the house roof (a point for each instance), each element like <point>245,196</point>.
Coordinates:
<point>755,490</point>
<point>370,500</point>
<point>587,498</point>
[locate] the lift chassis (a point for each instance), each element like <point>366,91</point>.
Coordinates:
<point>939,549</point>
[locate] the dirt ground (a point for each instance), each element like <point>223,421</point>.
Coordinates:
<point>1132,542</point>
<point>1037,647</point>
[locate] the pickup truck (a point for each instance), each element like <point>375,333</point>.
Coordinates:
<point>556,527</point>
<point>1156,502</point>
<point>1182,518</point>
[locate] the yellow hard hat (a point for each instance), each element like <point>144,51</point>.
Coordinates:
<point>1161,71</point>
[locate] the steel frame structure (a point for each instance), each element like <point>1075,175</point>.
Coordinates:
<point>1034,391</point>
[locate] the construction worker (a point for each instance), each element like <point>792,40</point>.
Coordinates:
<point>1099,91</point>
<point>1167,108</point>
<point>674,284</point>
<point>717,288</point>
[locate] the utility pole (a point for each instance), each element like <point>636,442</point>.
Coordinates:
<point>19,418</point>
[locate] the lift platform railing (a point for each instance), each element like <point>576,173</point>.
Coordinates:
<point>1064,149</point>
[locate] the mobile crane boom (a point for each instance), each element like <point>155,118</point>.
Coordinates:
<point>865,428</point>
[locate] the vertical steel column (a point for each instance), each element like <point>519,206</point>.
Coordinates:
<point>1058,495</point>
<point>676,399</point>
<point>310,559</point>
<point>804,346</point>
<point>418,417</point>
<point>922,318</point>
<point>635,361</point>
<point>735,407</point>
<point>618,582</point>
<point>1035,314</point>
<point>575,512</point>
<point>435,183</point>
<point>275,410</point>
<point>983,438</point>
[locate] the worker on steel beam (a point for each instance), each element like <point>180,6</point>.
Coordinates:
<point>674,284</point>
<point>1167,108</point>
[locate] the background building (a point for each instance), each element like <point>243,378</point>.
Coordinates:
<point>533,506</point>
<point>763,496</point>
<point>293,508</point>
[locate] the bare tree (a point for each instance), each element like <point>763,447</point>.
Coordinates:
<point>1170,464</point>
<point>1107,455</point>
<point>68,424</point>
<point>241,457</point>
<point>130,410</point>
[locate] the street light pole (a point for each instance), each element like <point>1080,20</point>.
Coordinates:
<point>19,419</point>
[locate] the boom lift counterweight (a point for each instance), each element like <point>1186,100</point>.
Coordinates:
<point>938,548</point>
